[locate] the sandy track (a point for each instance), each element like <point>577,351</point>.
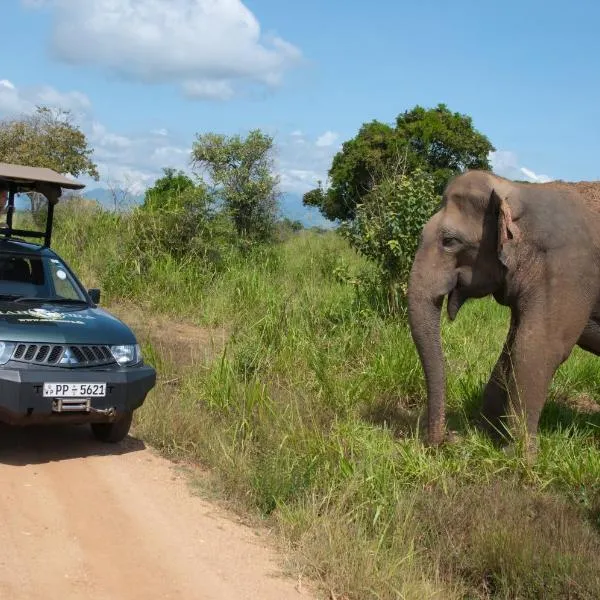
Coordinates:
<point>83,520</point>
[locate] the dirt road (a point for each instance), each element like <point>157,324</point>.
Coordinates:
<point>82,520</point>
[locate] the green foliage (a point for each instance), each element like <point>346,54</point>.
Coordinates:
<point>242,173</point>
<point>434,140</point>
<point>47,139</point>
<point>167,190</point>
<point>176,217</point>
<point>443,143</point>
<point>388,224</point>
<point>356,169</point>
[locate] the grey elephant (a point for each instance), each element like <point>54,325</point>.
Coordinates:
<point>536,249</point>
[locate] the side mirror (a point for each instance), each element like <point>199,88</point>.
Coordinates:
<point>94,294</point>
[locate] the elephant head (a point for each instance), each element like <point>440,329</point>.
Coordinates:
<point>466,251</point>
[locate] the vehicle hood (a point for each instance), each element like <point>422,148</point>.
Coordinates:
<point>60,324</point>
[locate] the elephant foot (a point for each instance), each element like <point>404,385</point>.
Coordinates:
<point>526,449</point>
<point>449,437</point>
<point>452,437</point>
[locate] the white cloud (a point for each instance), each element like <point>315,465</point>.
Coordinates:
<point>506,164</point>
<point>327,139</point>
<point>134,160</point>
<point>529,174</point>
<point>100,136</point>
<point>302,162</point>
<point>209,90</point>
<point>14,101</point>
<point>211,48</point>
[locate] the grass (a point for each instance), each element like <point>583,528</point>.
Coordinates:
<point>309,417</point>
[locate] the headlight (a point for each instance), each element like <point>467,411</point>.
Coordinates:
<point>6,350</point>
<point>127,355</point>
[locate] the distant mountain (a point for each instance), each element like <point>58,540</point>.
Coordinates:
<point>290,206</point>
<point>105,197</point>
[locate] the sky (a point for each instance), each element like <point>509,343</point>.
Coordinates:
<point>143,77</point>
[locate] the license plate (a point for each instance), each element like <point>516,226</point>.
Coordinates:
<point>74,390</point>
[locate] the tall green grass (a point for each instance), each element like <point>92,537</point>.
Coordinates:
<point>311,417</point>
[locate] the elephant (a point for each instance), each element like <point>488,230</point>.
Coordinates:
<point>534,248</point>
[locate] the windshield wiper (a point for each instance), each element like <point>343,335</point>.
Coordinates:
<point>48,300</point>
<point>9,296</point>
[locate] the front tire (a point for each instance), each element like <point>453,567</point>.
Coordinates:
<point>113,432</point>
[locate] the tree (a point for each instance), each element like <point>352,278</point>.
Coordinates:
<point>434,141</point>
<point>242,173</point>
<point>175,213</point>
<point>355,170</point>
<point>443,143</point>
<point>47,138</point>
<point>167,188</point>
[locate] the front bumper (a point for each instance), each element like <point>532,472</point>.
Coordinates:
<point>22,401</point>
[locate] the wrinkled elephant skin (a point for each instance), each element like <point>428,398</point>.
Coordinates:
<point>536,249</point>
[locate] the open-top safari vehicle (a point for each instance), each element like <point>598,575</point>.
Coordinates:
<point>62,358</point>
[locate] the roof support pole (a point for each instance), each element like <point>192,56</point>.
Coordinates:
<point>12,188</point>
<point>49,220</point>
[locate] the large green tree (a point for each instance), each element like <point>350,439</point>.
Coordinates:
<point>241,170</point>
<point>47,138</point>
<point>434,141</point>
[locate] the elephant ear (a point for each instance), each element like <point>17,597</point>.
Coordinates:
<point>509,233</point>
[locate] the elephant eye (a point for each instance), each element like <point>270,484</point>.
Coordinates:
<point>450,242</point>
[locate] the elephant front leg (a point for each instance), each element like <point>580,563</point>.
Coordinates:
<point>535,347</point>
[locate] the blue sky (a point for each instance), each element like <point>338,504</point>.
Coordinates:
<point>144,76</point>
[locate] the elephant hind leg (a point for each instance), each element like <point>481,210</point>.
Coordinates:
<point>495,394</point>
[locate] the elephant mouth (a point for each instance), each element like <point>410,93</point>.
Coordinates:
<point>456,298</point>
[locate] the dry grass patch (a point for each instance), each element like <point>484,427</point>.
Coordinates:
<point>179,343</point>
<point>506,541</point>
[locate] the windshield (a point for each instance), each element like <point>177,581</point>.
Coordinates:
<point>32,276</point>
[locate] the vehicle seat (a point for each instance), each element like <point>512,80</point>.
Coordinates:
<point>17,269</point>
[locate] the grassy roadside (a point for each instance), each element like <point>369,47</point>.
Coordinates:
<point>281,377</point>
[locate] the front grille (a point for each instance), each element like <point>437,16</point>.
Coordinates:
<point>63,355</point>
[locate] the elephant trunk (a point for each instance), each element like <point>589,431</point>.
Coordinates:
<point>425,301</point>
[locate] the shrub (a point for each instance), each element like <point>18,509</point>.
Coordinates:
<point>388,226</point>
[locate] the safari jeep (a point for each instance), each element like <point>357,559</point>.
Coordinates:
<point>62,358</point>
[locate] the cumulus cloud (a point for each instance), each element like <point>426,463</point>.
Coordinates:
<point>15,100</point>
<point>529,174</point>
<point>211,48</point>
<point>302,162</point>
<point>327,139</point>
<point>134,160</point>
<point>506,164</point>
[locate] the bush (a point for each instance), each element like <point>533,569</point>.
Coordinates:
<point>388,226</point>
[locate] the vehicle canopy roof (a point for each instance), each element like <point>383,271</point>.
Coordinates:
<point>35,179</point>
<point>16,179</point>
